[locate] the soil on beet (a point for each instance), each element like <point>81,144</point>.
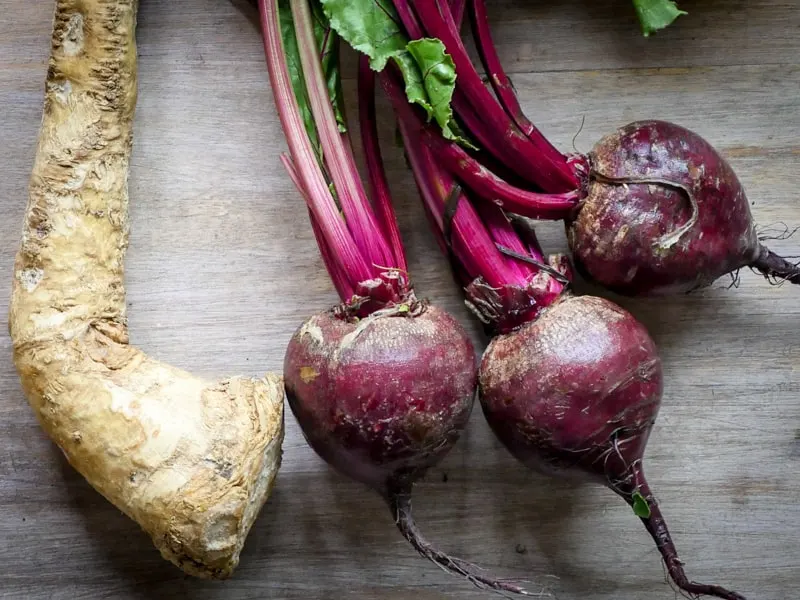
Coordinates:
<point>664,213</point>
<point>577,390</point>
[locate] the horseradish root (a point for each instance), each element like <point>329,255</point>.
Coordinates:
<point>190,461</point>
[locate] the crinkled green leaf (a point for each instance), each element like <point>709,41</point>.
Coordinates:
<point>437,77</point>
<point>373,28</point>
<point>370,26</point>
<point>412,76</point>
<point>656,14</point>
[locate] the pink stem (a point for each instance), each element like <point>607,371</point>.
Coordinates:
<point>321,202</point>
<point>335,272</point>
<point>381,197</point>
<point>471,243</point>
<point>536,162</point>
<point>480,179</point>
<point>457,8</point>
<point>355,205</point>
<point>500,82</point>
<point>528,236</point>
<point>476,126</point>
<point>503,233</point>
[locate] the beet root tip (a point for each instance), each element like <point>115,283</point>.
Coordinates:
<point>776,268</point>
<point>635,490</point>
<point>399,501</point>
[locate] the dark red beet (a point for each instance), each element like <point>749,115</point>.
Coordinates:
<point>384,398</point>
<point>665,213</point>
<point>577,392</point>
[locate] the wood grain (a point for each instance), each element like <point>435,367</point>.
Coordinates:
<point>222,268</point>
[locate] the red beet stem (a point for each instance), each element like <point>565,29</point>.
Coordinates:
<point>503,234</point>
<point>776,268</point>
<point>338,277</point>
<point>381,196</point>
<point>527,234</point>
<point>494,189</point>
<point>409,20</point>
<point>339,160</point>
<point>322,204</point>
<point>637,485</point>
<point>400,504</point>
<point>476,125</point>
<point>477,240</point>
<point>503,88</point>
<point>471,244</point>
<point>536,162</point>
<point>457,8</point>
<point>481,180</point>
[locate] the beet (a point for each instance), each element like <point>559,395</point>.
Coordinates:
<point>384,398</point>
<point>576,392</point>
<point>665,213</point>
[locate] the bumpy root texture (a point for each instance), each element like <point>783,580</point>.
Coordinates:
<point>576,393</point>
<point>191,461</point>
<point>664,213</point>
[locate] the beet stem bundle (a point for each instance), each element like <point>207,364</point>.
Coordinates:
<point>383,384</point>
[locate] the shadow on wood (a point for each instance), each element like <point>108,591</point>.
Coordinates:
<point>250,10</point>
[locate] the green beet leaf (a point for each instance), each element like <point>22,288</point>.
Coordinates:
<point>373,28</point>
<point>656,14</point>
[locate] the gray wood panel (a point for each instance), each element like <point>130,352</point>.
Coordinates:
<point>222,268</point>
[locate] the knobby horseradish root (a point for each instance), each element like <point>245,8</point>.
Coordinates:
<point>191,461</point>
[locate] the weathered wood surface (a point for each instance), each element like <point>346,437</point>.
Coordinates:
<point>222,268</point>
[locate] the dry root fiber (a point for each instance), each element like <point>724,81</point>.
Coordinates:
<point>191,461</point>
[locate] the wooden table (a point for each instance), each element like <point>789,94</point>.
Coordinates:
<point>222,268</point>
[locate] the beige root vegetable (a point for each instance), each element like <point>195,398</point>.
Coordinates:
<point>191,461</point>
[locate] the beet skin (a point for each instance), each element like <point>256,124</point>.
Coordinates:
<point>665,213</point>
<point>384,398</point>
<point>576,392</point>
<point>537,382</point>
